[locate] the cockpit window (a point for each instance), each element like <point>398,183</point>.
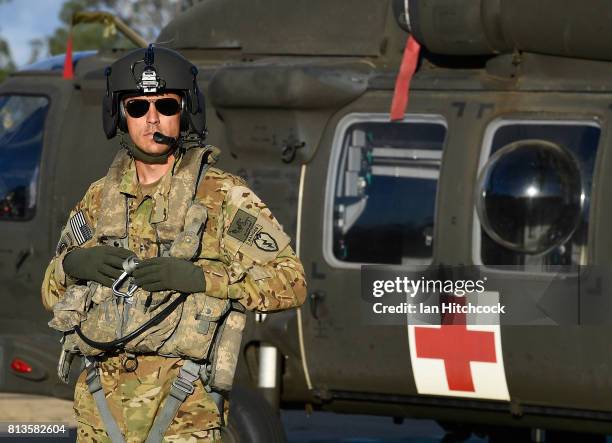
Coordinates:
<point>22,120</point>
<point>534,191</point>
<point>385,184</point>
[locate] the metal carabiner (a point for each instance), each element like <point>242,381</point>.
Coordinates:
<point>129,265</point>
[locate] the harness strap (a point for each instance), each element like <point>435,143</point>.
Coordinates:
<point>182,387</point>
<point>95,388</point>
<point>204,165</point>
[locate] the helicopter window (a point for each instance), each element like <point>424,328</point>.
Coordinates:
<point>534,193</point>
<point>22,120</point>
<point>385,194</point>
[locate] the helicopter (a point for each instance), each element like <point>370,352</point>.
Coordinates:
<point>496,164</point>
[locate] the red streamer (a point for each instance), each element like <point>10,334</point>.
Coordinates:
<point>402,83</point>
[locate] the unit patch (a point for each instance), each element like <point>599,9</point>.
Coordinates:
<point>241,225</point>
<point>64,242</point>
<point>265,242</point>
<point>80,229</point>
<point>253,235</point>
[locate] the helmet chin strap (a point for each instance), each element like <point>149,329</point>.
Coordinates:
<point>139,154</point>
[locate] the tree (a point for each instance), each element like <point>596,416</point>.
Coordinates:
<point>6,60</point>
<point>146,17</point>
<point>86,36</point>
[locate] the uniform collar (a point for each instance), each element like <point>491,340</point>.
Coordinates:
<point>129,187</point>
<point>129,180</point>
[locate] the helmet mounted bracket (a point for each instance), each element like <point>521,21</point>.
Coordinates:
<point>149,82</point>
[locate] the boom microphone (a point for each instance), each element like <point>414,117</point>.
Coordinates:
<point>158,137</point>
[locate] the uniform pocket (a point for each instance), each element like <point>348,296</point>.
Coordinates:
<point>187,243</point>
<point>199,319</point>
<point>101,322</point>
<point>71,310</point>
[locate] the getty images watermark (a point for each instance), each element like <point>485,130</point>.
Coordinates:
<point>453,289</point>
<point>505,295</point>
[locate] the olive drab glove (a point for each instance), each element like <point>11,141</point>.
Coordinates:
<point>102,264</point>
<point>169,274</point>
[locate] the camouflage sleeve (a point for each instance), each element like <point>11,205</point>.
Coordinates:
<point>259,268</point>
<point>77,231</point>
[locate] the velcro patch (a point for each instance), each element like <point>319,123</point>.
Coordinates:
<point>64,242</point>
<point>265,242</point>
<point>80,229</point>
<point>242,225</point>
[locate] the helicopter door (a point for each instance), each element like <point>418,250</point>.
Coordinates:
<point>531,239</point>
<point>376,194</point>
<point>22,124</point>
<point>24,232</point>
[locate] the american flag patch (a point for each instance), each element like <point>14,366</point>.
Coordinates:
<point>80,229</point>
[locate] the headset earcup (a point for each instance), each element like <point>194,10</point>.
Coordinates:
<point>197,116</point>
<point>109,117</point>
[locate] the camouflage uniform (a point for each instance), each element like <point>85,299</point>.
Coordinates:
<point>231,270</point>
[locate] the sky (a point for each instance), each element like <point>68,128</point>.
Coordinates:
<point>24,20</point>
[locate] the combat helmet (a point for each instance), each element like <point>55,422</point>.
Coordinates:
<point>153,70</point>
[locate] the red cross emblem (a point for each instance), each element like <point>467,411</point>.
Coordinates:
<point>457,346</point>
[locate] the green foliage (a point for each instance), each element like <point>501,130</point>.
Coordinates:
<point>6,60</point>
<point>84,36</point>
<point>146,17</point>
<point>3,74</point>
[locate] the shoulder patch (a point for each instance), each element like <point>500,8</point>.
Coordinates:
<point>265,242</point>
<point>81,231</point>
<point>64,241</point>
<point>253,232</point>
<point>241,225</point>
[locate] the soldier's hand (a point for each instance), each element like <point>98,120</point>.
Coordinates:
<point>102,264</point>
<point>169,274</point>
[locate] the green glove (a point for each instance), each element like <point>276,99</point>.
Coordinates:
<point>102,264</point>
<point>169,274</point>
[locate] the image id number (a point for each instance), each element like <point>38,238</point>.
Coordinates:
<point>32,429</point>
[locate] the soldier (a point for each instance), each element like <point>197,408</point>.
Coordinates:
<point>158,261</point>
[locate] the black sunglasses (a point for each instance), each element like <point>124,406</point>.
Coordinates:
<point>165,106</point>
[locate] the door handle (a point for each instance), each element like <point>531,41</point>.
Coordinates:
<point>316,298</point>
